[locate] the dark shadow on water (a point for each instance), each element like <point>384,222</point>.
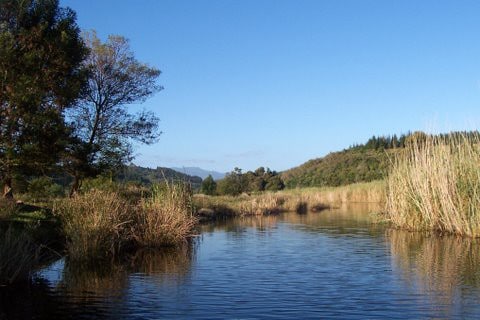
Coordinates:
<point>92,290</point>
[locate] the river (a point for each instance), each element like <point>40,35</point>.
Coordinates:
<point>335,264</point>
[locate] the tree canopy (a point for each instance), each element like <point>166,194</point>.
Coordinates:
<point>103,128</point>
<point>41,74</point>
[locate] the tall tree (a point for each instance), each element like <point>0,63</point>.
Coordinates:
<point>41,74</point>
<point>103,128</point>
<point>209,186</point>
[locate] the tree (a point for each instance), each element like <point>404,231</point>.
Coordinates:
<point>209,186</point>
<point>41,74</point>
<point>233,184</point>
<point>103,129</point>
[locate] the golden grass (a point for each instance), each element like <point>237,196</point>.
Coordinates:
<point>99,224</point>
<point>435,185</point>
<point>95,223</point>
<point>299,200</point>
<point>18,256</point>
<point>167,217</point>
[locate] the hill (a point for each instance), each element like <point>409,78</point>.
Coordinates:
<point>359,163</point>
<point>199,172</point>
<point>147,176</point>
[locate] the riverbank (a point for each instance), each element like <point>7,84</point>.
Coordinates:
<point>434,185</point>
<point>300,200</point>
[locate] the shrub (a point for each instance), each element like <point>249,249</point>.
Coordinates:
<point>43,188</point>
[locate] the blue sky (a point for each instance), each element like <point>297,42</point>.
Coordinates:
<point>275,83</point>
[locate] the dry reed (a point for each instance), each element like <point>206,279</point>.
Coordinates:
<point>18,256</point>
<point>96,224</point>
<point>435,185</point>
<point>167,217</point>
<point>298,200</point>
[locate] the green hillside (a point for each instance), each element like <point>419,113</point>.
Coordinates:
<point>359,163</point>
<point>339,168</point>
<point>147,176</point>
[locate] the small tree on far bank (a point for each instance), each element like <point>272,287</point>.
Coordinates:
<point>209,186</point>
<point>103,128</point>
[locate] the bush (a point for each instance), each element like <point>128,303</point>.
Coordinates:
<point>43,188</point>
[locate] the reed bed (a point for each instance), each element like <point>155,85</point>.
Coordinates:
<point>167,217</point>
<point>99,224</point>
<point>435,185</point>
<point>18,256</point>
<point>298,200</point>
<point>96,223</point>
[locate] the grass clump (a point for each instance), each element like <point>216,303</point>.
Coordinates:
<point>96,223</point>
<point>167,217</point>
<point>18,255</point>
<point>435,185</point>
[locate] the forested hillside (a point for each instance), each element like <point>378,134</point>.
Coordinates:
<point>147,176</point>
<point>360,162</point>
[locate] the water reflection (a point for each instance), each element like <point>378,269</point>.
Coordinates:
<point>331,264</point>
<point>95,290</point>
<point>446,268</point>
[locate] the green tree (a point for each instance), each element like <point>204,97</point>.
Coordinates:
<point>209,186</point>
<point>41,74</point>
<point>103,128</point>
<point>233,184</point>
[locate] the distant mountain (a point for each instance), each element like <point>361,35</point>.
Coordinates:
<point>147,176</point>
<point>199,172</point>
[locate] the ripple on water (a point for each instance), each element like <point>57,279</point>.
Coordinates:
<point>333,264</point>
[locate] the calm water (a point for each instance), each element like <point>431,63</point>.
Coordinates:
<point>333,264</point>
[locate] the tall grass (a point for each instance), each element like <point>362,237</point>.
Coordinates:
<point>435,185</point>
<point>299,200</point>
<point>166,218</point>
<point>18,256</point>
<point>95,223</point>
<point>8,208</point>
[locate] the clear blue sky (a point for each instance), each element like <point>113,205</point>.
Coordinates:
<point>275,83</point>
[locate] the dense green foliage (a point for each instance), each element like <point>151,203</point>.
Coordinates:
<point>261,179</point>
<point>359,163</point>
<point>339,168</point>
<point>209,186</point>
<point>41,55</point>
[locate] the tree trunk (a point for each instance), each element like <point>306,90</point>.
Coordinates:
<point>7,188</point>
<point>77,183</point>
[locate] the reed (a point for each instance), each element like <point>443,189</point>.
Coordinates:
<point>435,185</point>
<point>96,224</point>
<point>18,256</point>
<point>8,208</point>
<point>298,200</point>
<point>166,218</point>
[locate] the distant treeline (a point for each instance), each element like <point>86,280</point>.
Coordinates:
<point>236,182</point>
<point>361,162</point>
<point>147,176</point>
<point>394,141</point>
